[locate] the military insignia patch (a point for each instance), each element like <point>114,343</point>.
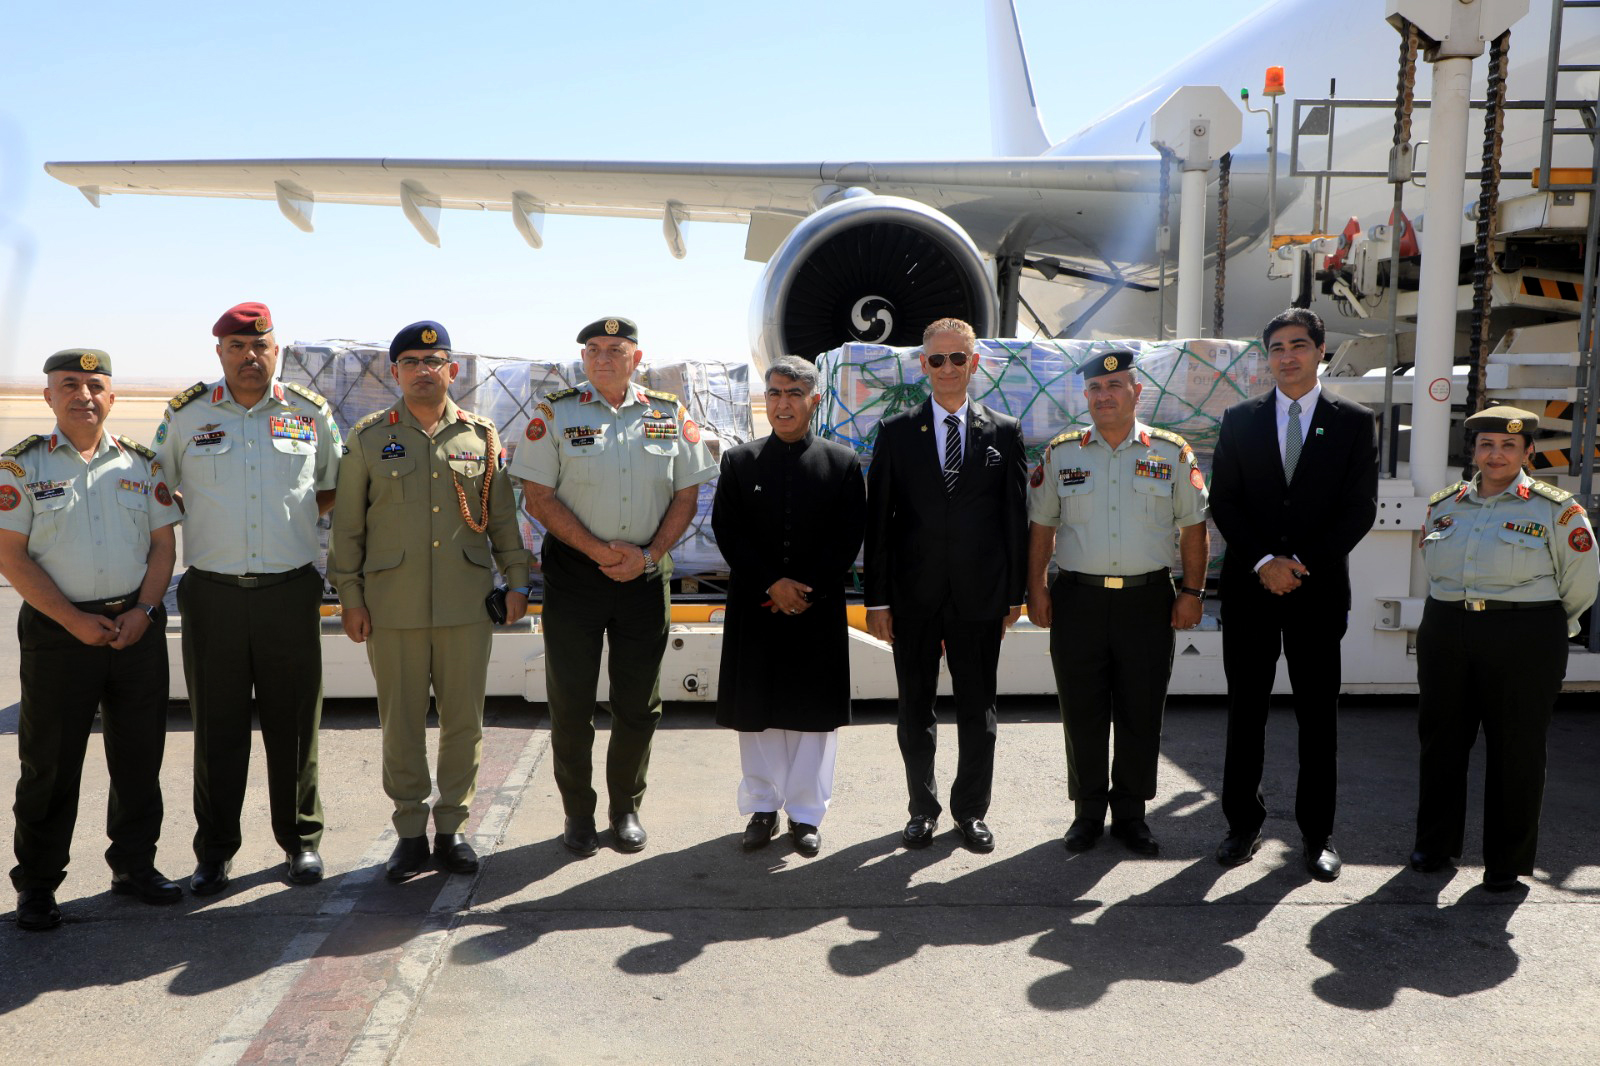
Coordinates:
<point>394,450</point>
<point>1444,521</point>
<point>9,498</point>
<point>1523,492</point>
<point>263,325</point>
<point>315,397</point>
<point>177,402</point>
<point>13,467</point>
<point>691,431</point>
<point>1581,540</point>
<point>163,494</point>
<point>1037,477</point>
<point>1569,514</point>
<point>1186,457</point>
<point>536,429</point>
<point>612,326</point>
<point>1514,425</point>
<point>1197,479</point>
<point>1110,363</point>
<point>23,445</point>
<point>161,433</point>
<point>429,336</point>
<point>89,361</point>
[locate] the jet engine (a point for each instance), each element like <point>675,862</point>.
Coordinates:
<point>868,268</point>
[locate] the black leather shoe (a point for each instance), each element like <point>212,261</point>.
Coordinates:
<point>1136,835</point>
<point>807,838</point>
<point>37,910</point>
<point>453,853</point>
<point>1237,849</point>
<point>408,859</point>
<point>976,834</point>
<point>762,828</point>
<point>1493,881</point>
<point>209,878</point>
<point>1424,863</point>
<point>1083,833</point>
<point>918,832</point>
<point>629,833</point>
<point>1323,863</point>
<point>578,836</point>
<point>150,885</point>
<point>305,867</point>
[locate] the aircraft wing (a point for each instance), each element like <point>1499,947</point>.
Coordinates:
<point>1078,208</point>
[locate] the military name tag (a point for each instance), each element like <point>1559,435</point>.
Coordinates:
<point>294,427</point>
<point>394,450</point>
<point>1153,468</point>
<point>206,440</point>
<point>580,436</point>
<point>1073,475</point>
<point>47,490</point>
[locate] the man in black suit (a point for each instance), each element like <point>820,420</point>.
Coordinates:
<point>1294,488</point>
<point>946,565</point>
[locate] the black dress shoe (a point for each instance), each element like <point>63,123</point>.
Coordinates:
<point>1083,833</point>
<point>149,884</point>
<point>408,859</point>
<point>762,828</point>
<point>918,832</point>
<point>629,833</point>
<point>37,910</point>
<point>578,836</point>
<point>1497,881</point>
<point>1136,835</point>
<point>305,866</point>
<point>1425,863</point>
<point>807,838</point>
<point>1323,863</point>
<point>1237,849</point>
<point>454,853</point>
<point>976,834</point>
<point>209,878</point>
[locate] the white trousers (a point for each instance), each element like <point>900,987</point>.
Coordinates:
<point>787,770</point>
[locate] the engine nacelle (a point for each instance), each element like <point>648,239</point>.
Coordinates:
<point>875,269</point>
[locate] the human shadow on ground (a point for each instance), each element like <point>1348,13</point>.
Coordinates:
<point>1377,949</point>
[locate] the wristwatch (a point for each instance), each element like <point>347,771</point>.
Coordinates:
<point>649,561</point>
<point>149,610</point>
<point>1199,594</point>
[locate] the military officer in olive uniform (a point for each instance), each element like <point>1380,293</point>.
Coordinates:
<point>255,463</point>
<point>613,472</point>
<point>1511,568</point>
<point>86,537</point>
<point>1116,491</point>
<point>423,506</point>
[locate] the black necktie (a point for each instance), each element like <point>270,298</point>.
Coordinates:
<point>952,452</point>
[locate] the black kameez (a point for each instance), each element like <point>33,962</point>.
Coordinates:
<point>797,511</point>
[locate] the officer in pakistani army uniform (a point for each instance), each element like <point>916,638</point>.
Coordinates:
<point>424,509</point>
<point>613,473</point>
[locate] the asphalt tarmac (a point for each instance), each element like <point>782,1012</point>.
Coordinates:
<point>694,951</point>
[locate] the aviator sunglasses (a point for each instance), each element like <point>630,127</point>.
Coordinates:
<point>956,359</point>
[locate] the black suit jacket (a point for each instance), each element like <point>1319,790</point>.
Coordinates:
<point>1319,519</point>
<point>924,547</point>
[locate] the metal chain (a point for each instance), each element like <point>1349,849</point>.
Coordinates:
<point>1224,168</point>
<point>1405,93</point>
<point>1494,125</point>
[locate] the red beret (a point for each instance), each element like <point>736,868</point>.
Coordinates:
<point>249,318</point>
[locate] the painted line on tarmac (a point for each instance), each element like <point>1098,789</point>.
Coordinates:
<point>293,1012</point>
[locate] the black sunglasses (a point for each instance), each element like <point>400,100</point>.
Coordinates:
<point>956,359</point>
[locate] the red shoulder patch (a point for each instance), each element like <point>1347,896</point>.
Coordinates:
<point>691,431</point>
<point>1037,478</point>
<point>9,498</point>
<point>163,494</point>
<point>1196,478</point>
<point>536,429</point>
<point>1581,540</point>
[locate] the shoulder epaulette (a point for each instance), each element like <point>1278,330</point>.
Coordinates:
<point>1168,435</point>
<point>24,444</point>
<point>475,419</point>
<point>367,421</point>
<point>559,394</point>
<point>1071,434</point>
<point>177,402</point>
<point>668,397</point>
<point>1445,493</point>
<point>134,446</point>
<point>316,398</point>
<point>1550,492</point>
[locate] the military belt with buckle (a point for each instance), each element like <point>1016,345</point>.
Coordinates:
<point>109,608</point>
<point>250,581</point>
<point>1498,605</point>
<point>1116,581</point>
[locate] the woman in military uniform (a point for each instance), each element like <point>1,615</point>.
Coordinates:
<point>1511,568</point>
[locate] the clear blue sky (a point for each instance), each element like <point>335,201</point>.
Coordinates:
<point>144,277</point>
